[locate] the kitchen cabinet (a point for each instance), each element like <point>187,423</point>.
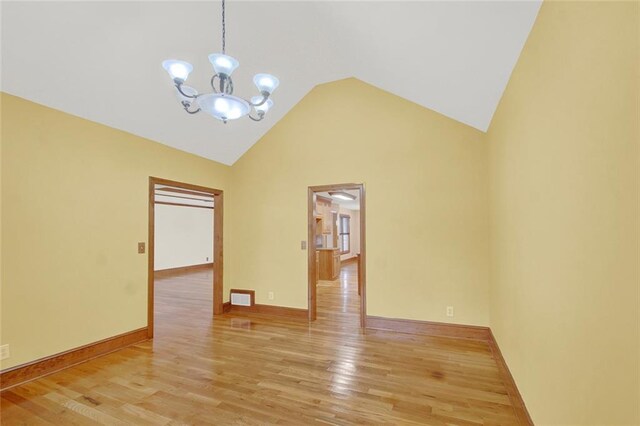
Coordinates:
<point>323,209</point>
<point>319,239</point>
<point>329,263</point>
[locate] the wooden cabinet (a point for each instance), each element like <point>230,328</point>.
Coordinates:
<point>329,263</point>
<point>323,210</point>
<point>327,224</point>
<point>319,228</point>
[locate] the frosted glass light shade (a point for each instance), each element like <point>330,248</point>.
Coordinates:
<point>223,64</point>
<point>264,107</point>
<point>223,107</point>
<point>178,70</point>
<point>265,82</point>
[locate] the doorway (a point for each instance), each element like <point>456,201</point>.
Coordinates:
<point>164,192</point>
<point>328,232</point>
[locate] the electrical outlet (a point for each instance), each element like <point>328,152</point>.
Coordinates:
<point>303,245</point>
<point>4,352</point>
<point>271,296</point>
<point>449,311</point>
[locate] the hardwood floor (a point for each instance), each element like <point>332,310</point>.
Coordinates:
<point>254,369</point>
<point>338,302</point>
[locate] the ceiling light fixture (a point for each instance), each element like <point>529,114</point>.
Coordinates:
<point>342,196</point>
<point>221,103</point>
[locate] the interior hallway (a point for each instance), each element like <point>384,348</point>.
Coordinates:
<point>338,303</point>
<point>256,369</point>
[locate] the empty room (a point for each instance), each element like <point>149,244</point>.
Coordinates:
<point>236,212</point>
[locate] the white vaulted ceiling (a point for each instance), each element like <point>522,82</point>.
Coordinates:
<point>101,60</point>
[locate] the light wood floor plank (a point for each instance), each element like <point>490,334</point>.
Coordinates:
<point>254,369</point>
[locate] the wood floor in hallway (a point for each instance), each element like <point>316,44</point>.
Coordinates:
<point>251,369</point>
<point>338,303</point>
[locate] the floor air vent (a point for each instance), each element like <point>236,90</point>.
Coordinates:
<point>242,297</point>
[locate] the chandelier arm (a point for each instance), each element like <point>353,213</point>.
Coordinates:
<point>213,83</point>
<point>265,98</point>
<point>260,117</point>
<point>229,86</point>
<point>226,84</point>
<point>191,112</point>
<point>186,106</point>
<point>179,87</point>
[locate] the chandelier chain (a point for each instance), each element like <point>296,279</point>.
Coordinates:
<point>224,30</point>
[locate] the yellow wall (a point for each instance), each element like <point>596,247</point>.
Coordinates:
<point>74,206</point>
<point>427,203</point>
<point>564,216</point>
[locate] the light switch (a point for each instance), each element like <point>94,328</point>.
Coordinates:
<point>303,245</point>
<point>140,248</point>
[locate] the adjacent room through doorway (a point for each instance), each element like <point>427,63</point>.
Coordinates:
<point>336,254</point>
<point>185,255</point>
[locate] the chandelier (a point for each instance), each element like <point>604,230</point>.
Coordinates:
<point>221,103</point>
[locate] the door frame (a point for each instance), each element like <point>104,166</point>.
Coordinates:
<point>218,266</point>
<point>311,247</point>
